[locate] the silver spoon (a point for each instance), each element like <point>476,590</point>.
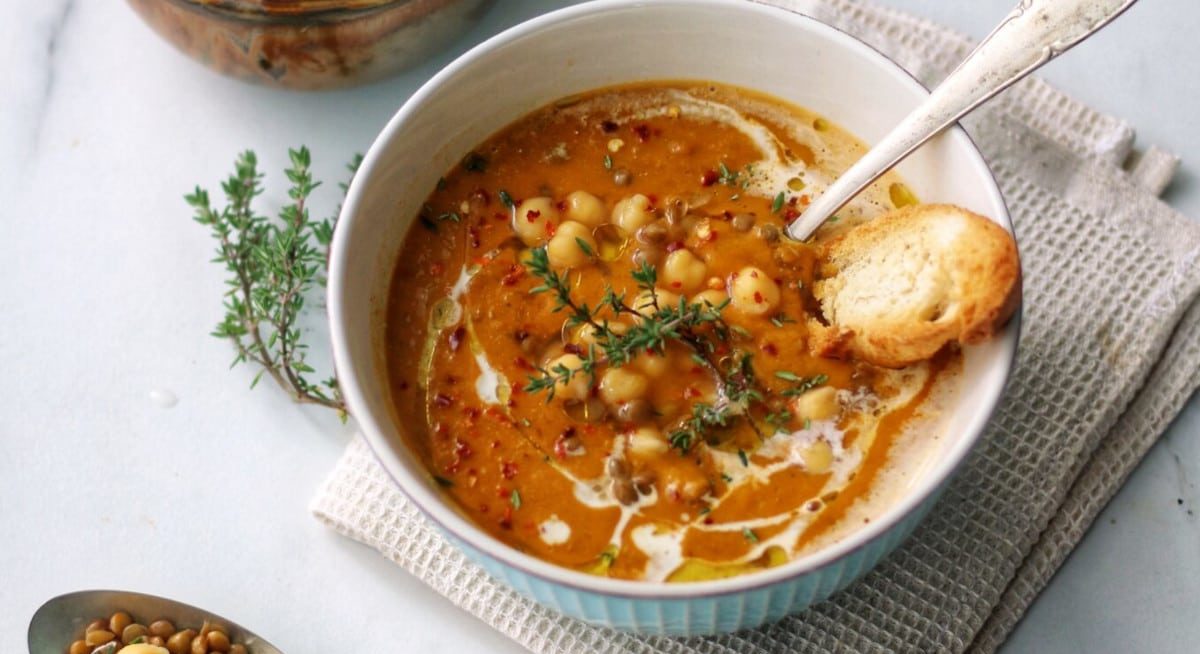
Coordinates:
<point>1033,34</point>
<point>62,619</point>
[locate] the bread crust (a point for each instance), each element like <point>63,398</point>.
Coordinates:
<point>899,288</point>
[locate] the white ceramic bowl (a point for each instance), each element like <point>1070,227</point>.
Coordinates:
<point>608,42</point>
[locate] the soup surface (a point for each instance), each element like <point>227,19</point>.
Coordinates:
<point>597,338</point>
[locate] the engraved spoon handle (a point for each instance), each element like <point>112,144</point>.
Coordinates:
<point>1035,32</point>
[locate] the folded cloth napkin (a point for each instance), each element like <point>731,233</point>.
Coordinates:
<point>1110,352</point>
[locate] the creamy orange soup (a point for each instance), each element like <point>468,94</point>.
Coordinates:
<point>722,449</point>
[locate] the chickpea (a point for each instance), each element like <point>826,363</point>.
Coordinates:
<point>564,249</point>
<point>157,640</point>
<point>142,648</point>
<point>709,298</point>
<point>643,304</point>
<point>181,641</point>
<point>585,208</point>
<point>162,628</point>
<point>79,647</point>
<point>586,335</point>
<point>632,212</point>
<point>753,292</point>
<point>119,621</point>
<point>646,443</point>
<point>619,385</point>
<point>684,271</point>
<point>818,458</point>
<point>817,404</point>
<point>199,645</point>
<point>95,625</point>
<point>535,219</point>
<point>133,632</point>
<point>219,642</point>
<point>98,637</point>
<point>237,649</point>
<point>577,387</point>
<point>652,364</point>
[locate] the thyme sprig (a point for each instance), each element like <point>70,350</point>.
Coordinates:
<point>273,265</point>
<point>658,324</point>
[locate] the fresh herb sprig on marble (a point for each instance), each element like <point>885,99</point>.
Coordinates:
<point>273,265</point>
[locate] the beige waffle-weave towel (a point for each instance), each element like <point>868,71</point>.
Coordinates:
<point>1110,351</point>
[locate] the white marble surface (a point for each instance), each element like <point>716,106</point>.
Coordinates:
<point>107,296</point>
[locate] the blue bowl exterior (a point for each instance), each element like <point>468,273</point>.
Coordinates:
<point>712,614</point>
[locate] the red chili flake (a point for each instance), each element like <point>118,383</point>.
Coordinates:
<point>403,385</point>
<point>790,215</point>
<point>676,284</point>
<point>708,521</point>
<point>517,388</point>
<point>522,363</point>
<point>690,392</point>
<point>532,215</point>
<point>510,403</point>
<point>754,274</point>
<point>697,370</point>
<point>573,348</point>
<point>708,178</point>
<point>471,412</point>
<point>643,132</point>
<point>550,228</point>
<point>792,201</point>
<point>473,233</point>
<point>608,126</point>
<point>442,400</point>
<point>436,269</point>
<point>770,349</point>
<point>456,337</point>
<point>561,205</point>
<point>508,469</point>
<point>500,216</point>
<point>495,445</point>
<point>674,245</point>
<point>514,274</point>
<point>712,235</point>
<point>441,429</point>
<point>483,508</point>
<point>462,450</point>
<point>758,298</point>
<point>506,520</point>
<point>503,493</point>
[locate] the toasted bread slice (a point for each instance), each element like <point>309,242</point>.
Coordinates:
<point>899,288</point>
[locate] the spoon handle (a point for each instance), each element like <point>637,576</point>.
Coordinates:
<point>1035,32</point>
